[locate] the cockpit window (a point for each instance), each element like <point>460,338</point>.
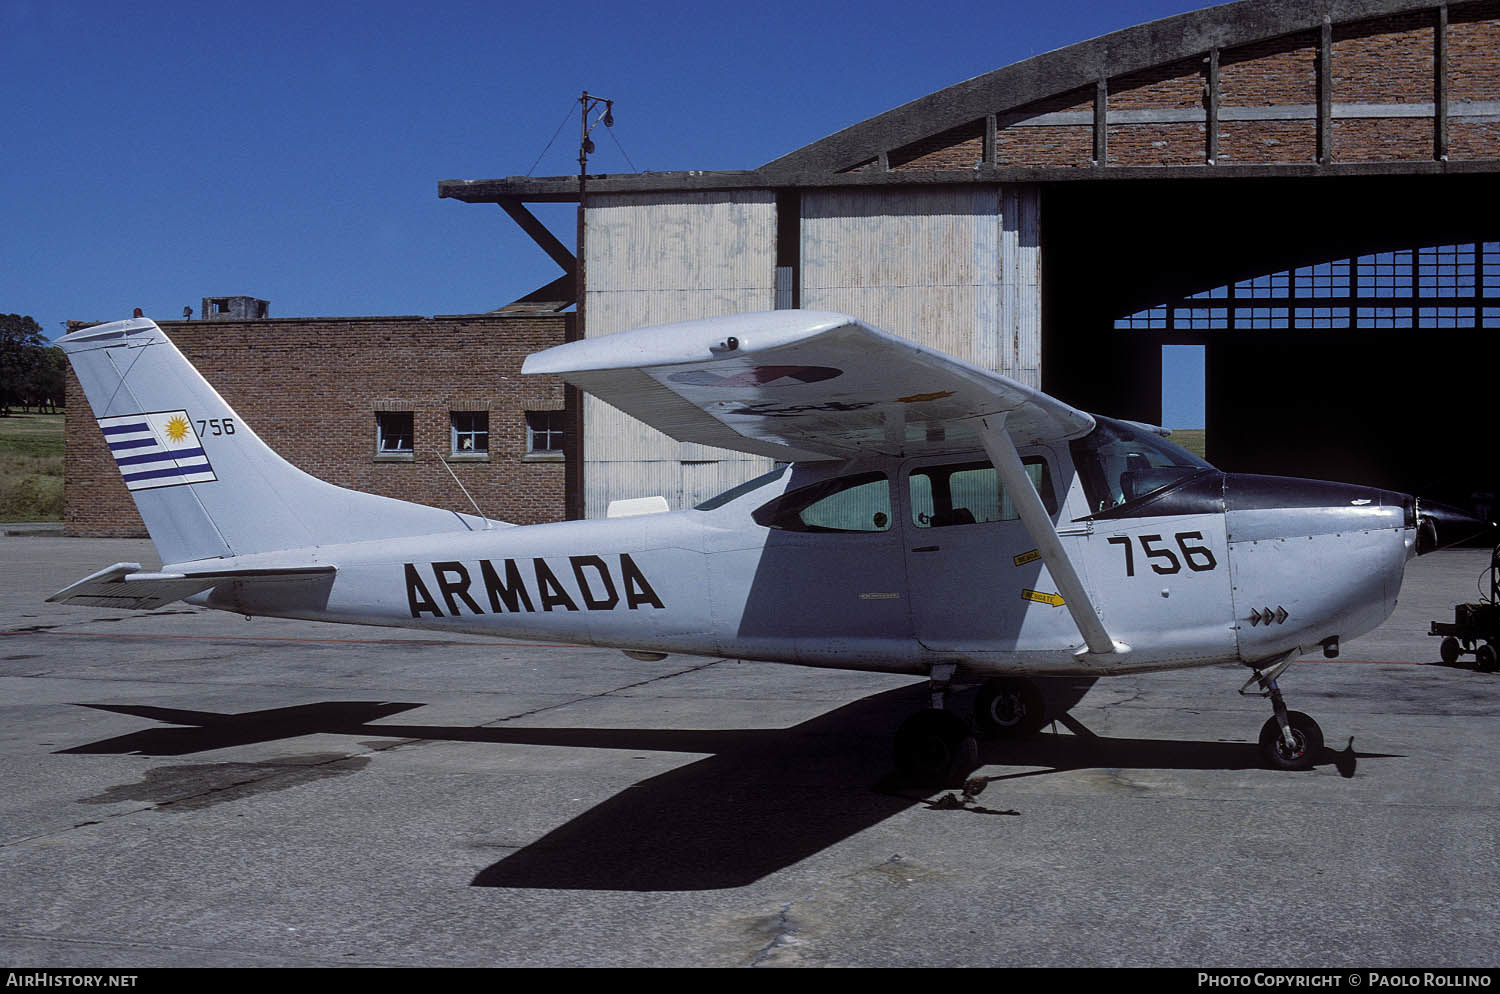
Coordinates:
<point>847,504</point>
<point>735,493</point>
<point>970,493</point>
<point>1119,462</point>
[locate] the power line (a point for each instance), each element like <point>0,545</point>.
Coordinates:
<point>566,118</point>
<point>633,166</point>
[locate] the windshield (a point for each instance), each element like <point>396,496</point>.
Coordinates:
<point>1119,462</point>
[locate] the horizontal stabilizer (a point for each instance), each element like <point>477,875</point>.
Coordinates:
<point>123,585</point>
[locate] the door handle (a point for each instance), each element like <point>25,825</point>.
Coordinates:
<point>926,548</point>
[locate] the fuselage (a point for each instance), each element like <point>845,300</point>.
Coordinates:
<point>896,564</point>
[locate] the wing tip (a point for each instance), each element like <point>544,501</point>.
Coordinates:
<point>696,340</point>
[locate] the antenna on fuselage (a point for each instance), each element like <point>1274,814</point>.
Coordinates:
<point>488,524</point>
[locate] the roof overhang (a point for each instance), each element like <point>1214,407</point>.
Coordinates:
<point>564,189</point>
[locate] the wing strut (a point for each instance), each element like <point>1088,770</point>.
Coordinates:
<point>1007,462</point>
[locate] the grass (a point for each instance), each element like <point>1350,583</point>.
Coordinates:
<point>31,467</point>
<point>1192,439</point>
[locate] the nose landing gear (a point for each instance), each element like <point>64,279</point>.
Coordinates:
<point>1289,740</point>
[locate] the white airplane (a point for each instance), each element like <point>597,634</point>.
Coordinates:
<point>927,517</point>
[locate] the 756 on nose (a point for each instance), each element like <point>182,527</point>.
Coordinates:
<point>1198,557</point>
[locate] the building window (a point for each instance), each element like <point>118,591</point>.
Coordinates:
<point>393,433</point>
<point>470,432</point>
<point>544,433</point>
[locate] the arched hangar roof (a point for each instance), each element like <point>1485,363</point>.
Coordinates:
<point>1255,87</point>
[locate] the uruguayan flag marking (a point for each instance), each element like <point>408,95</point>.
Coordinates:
<point>157,450</point>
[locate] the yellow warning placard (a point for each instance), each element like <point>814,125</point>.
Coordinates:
<point>1026,557</point>
<point>1042,598</point>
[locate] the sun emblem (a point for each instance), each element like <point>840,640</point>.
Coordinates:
<point>177,428</point>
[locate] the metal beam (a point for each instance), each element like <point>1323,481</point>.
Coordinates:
<point>555,296</point>
<point>539,233</point>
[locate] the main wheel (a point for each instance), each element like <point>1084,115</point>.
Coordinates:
<point>1307,739</point>
<point>1449,651</point>
<point>934,748</point>
<point>1485,658</point>
<point>1009,709</point>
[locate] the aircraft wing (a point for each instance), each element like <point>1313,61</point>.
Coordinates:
<point>803,385</point>
<point>123,585</point>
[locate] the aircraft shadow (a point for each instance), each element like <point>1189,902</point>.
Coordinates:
<point>1058,753</point>
<point>762,799</point>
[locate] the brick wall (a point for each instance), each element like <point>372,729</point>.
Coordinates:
<point>1384,61</point>
<point>310,388</point>
<point>1474,52</point>
<point>1473,75</point>
<point>960,148</point>
<point>1279,72</point>
<point>1049,144</point>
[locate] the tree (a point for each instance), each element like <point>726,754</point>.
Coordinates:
<point>21,348</point>
<point>45,384</point>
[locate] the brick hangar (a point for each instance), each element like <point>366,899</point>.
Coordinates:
<point>1304,188</point>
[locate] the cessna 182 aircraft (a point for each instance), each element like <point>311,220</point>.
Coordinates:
<point>927,517</point>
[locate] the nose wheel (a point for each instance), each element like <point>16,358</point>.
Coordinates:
<point>1294,748</point>
<point>1289,740</point>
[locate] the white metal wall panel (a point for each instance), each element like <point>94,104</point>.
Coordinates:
<point>654,259</point>
<point>1021,280</point>
<point>953,268</point>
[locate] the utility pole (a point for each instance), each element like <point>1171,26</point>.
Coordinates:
<point>588,104</point>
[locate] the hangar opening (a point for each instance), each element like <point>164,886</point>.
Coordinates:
<point>1348,329</point>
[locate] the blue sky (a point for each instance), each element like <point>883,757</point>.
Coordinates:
<point>157,153</point>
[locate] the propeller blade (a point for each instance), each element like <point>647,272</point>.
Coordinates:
<point>1440,525</point>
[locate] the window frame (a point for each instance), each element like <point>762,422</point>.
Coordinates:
<point>1046,488</point>
<point>784,513</point>
<point>557,426</point>
<point>456,434</point>
<point>383,430</point>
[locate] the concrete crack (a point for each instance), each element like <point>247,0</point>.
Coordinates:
<point>782,930</point>
<point>603,693</point>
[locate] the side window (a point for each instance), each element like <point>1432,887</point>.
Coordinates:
<point>393,433</point>
<point>848,504</point>
<point>970,493</point>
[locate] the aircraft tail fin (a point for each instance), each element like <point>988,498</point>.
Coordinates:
<point>206,485</point>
